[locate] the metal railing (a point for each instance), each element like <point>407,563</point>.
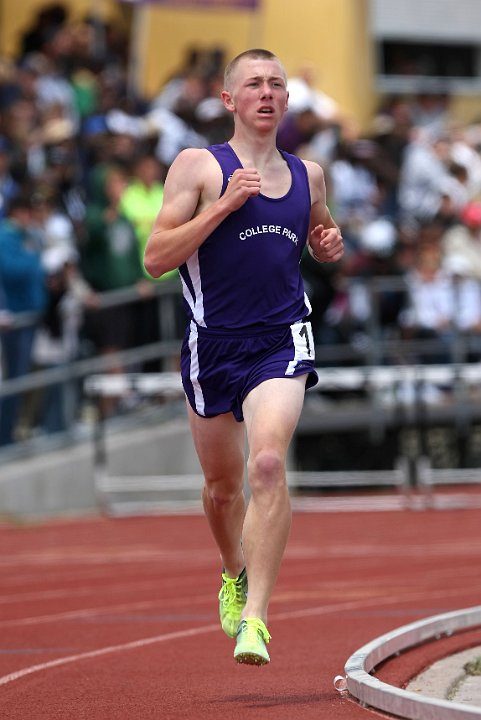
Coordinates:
<point>397,352</point>
<point>74,373</point>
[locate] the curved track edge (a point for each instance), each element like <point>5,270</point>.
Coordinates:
<point>372,692</point>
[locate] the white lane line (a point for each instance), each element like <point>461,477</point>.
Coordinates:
<point>102,610</point>
<point>192,632</point>
<point>79,614</point>
<point>201,599</point>
<point>84,556</point>
<point>62,593</point>
<point>144,642</point>
<point>105,651</point>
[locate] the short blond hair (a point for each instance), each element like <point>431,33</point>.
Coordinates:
<point>254,54</point>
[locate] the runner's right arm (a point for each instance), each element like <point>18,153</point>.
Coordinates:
<point>192,208</point>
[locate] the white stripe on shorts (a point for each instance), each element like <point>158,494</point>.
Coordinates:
<point>194,369</point>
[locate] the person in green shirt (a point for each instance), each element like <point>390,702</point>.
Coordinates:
<point>140,203</point>
<point>142,200</point>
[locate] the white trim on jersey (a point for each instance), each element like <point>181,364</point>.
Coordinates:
<point>189,298</point>
<point>193,269</point>
<point>308,304</point>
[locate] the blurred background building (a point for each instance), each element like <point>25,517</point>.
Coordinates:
<point>361,50</point>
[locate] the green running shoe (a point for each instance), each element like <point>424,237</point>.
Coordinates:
<point>252,637</point>
<point>232,598</point>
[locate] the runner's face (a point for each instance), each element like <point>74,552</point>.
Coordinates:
<point>258,93</point>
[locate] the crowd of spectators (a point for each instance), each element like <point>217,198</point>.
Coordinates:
<point>82,161</point>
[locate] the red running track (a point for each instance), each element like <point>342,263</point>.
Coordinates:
<point>116,619</point>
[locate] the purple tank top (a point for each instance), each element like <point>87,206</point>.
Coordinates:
<point>246,273</point>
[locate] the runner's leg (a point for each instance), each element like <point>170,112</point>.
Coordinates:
<point>271,412</point>
<point>220,446</point>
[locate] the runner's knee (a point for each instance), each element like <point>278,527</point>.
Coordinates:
<point>222,491</point>
<point>266,470</point>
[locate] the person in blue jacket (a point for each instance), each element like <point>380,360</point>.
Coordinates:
<point>23,282</point>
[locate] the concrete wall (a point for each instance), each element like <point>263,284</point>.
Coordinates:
<point>63,481</point>
<point>69,482</point>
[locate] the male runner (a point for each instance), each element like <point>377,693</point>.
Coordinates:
<point>235,220</point>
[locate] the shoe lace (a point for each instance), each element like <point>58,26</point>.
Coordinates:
<point>230,592</point>
<point>255,626</point>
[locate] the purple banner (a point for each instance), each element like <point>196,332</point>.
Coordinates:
<point>220,4</point>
